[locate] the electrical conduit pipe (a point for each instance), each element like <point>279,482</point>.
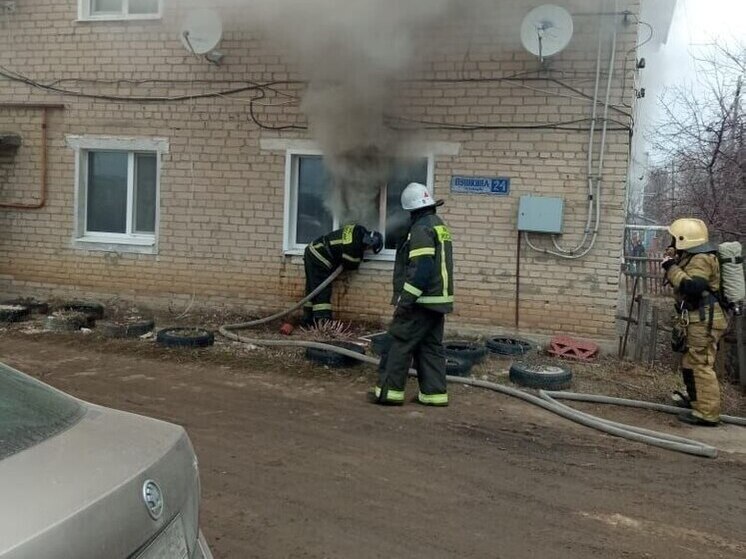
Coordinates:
<point>43,157</point>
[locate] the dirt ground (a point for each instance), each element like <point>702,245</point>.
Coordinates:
<point>295,463</point>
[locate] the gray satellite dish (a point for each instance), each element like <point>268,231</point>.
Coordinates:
<point>546,30</point>
<point>201,31</point>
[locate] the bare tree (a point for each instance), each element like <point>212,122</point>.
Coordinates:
<point>701,139</point>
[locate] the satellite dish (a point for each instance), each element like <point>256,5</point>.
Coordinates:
<point>546,30</point>
<point>201,31</point>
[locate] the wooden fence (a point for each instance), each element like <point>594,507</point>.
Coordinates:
<point>651,277</point>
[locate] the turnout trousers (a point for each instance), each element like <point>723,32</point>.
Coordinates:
<point>417,340</point>
<point>320,307</point>
<point>697,368</point>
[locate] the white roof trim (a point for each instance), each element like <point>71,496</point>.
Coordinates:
<point>123,143</point>
<point>412,148</point>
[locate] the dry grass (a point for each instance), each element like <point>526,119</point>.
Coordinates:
<point>622,379</point>
<point>607,375</point>
<point>329,330</point>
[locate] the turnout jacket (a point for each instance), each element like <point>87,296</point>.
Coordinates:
<point>343,246</point>
<point>423,272</point>
<point>696,283</point>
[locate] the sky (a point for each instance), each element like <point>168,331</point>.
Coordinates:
<point>695,23</point>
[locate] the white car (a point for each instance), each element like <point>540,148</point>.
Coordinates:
<point>80,481</point>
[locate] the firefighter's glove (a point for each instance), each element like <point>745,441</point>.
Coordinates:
<point>667,262</point>
<point>405,304</point>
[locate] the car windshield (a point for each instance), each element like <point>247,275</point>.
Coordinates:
<point>31,412</point>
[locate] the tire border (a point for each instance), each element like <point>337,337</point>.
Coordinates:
<point>331,359</point>
<point>474,353</point>
<point>133,329</point>
<point>14,315</point>
<point>516,346</point>
<point>68,322</point>
<point>169,337</point>
<point>91,308</point>
<point>34,306</point>
<point>526,375</point>
<point>458,367</point>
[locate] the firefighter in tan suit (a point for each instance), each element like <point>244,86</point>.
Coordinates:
<point>694,273</point>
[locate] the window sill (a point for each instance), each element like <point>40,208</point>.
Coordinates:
<point>384,257</point>
<point>144,17</point>
<point>112,243</point>
<point>384,264</point>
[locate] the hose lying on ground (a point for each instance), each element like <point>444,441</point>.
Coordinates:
<point>545,400</point>
<point>228,330</point>
<point>598,399</point>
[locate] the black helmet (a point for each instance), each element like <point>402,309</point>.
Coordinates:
<point>374,241</point>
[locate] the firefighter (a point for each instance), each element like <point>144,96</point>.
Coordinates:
<point>423,295</point>
<point>345,247</point>
<point>691,266</point>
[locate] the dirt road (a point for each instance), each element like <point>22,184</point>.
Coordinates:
<point>295,464</point>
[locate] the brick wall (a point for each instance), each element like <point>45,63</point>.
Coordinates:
<point>20,170</point>
<point>222,194</point>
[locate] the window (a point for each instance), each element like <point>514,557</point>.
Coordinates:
<point>117,191</point>
<point>307,216</point>
<point>119,9</point>
<point>31,412</point>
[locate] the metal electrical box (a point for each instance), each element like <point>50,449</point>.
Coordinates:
<point>537,214</point>
<point>9,142</point>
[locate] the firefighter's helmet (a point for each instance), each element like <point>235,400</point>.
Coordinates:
<point>415,197</point>
<point>688,233</point>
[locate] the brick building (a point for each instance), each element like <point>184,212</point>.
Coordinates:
<point>150,174</point>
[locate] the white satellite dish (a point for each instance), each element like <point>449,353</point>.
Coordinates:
<point>546,30</point>
<point>201,31</point>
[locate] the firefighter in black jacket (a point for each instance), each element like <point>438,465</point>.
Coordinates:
<point>345,247</point>
<point>423,294</point>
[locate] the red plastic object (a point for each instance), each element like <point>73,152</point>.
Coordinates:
<point>570,348</point>
<point>286,329</point>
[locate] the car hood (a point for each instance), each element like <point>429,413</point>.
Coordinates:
<point>78,495</point>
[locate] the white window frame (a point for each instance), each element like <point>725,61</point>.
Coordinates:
<point>85,13</point>
<point>290,225</point>
<point>144,243</point>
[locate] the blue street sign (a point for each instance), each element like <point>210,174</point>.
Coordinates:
<point>497,186</point>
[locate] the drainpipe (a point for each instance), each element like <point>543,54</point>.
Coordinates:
<point>45,108</point>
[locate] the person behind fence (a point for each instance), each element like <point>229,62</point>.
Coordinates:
<point>638,251</point>
<point>691,266</point>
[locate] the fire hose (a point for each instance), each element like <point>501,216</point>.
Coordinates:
<point>545,400</point>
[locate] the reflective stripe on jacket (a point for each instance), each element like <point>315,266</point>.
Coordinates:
<point>428,237</point>
<point>341,247</point>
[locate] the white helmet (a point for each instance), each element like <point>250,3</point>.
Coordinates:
<point>416,196</point>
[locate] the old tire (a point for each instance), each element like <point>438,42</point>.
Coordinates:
<point>185,337</point>
<point>96,310</point>
<point>332,359</point>
<point>505,345</point>
<point>133,329</point>
<point>471,352</point>
<point>458,367</point>
<point>13,313</point>
<point>546,377</point>
<point>68,322</point>
<point>34,306</point>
